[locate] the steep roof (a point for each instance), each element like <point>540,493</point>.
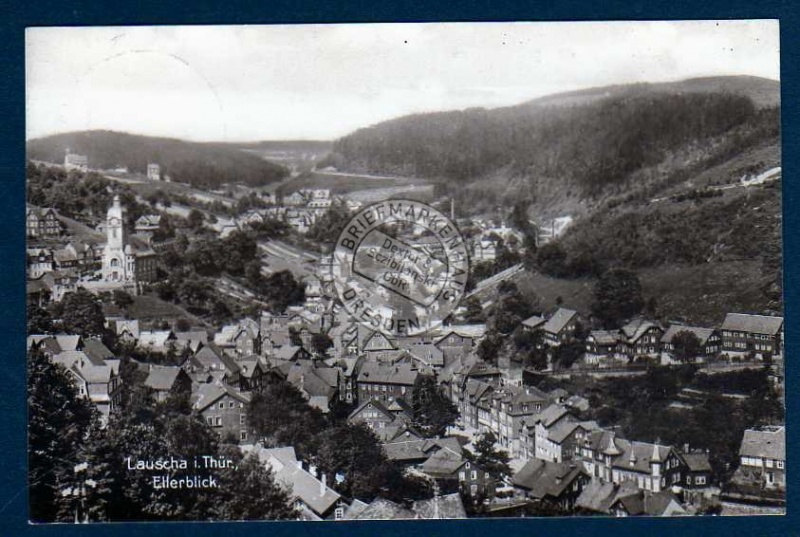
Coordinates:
<point>534,321</point>
<point>674,329</point>
<point>756,324</point>
<point>559,320</point>
<point>207,394</point>
<point>162,377</point>
<point>383,509</point>
<point>637,456</point>
<point>636,329</point>
<point>447,506</point>
<point>697,462</point>
<point>768,442</point>
<point>544,478</point>
<point>605,337</point>
<point>551,415</point>
<point>97,352</point>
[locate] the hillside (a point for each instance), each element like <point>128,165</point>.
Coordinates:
<point>205,165</point>
<point>564,151</point>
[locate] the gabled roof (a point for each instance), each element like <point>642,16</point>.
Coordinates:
<point>401,374</point>
<point>605,337</point>
<point>207,394</point>
<point>637,456</point>
<point>374,404</point>
<point>471,331</point>
<point>768,442</point>
<point>69,342</point>
<point>427,354</point>
<point>443,463</point>
<point>162,377</point>
<point>97,352</point>
<point>447,506</point>
<point>158,338</point>
<point>304,486</point>
<point>546,479</point>
<point>597,496</point>
<point>637,328</point>
<point>383,509</point>
<point>755,324</point>
<point>697,462</point>
<point>288,352</point>
<point>551,415</point>
<point>674,329</point>
<point>559,320</point>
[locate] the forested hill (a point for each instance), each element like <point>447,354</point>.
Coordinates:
<point>584,140</point>
<point>206,165</point>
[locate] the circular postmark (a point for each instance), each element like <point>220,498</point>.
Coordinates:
<point>400,267</point>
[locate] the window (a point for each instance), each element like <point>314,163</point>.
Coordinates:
<point>221,404</point>
<point>218,421</point>
<point>700,480</point>
<point>338,513</point>
<point>231,404</point>
<point>779,464</point>
<point>474,475</point>
<point>242,419</point>
<point>210,421</point>
<point>243,435</point>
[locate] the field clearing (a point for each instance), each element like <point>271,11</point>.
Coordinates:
<point>576,294</point>
<point>345,183</point>
<point>149,307</point>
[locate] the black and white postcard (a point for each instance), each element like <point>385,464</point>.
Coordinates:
<point>404,271</point>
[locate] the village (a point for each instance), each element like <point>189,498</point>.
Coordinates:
<point>505,438</point>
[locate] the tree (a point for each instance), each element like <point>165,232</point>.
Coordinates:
<point>40,321</point>
<point>433,411</point>
<point>58,423</point>
<point>355,452</point>
<point>82,314</point>
<point>122,299</point>
<point>320,343</point>
<point>552,259</point>
<point>686,346</point>
<point>282,290</point>
<point>617,297</point>
<point>195,219</point>
<point>474,313</point>
<point>494,461</point>
<point>249,491</point>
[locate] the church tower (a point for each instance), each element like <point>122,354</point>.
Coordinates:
<point>118,259</point>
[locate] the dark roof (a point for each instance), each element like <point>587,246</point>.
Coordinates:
<point>97,352</point>
<point>697,462</point>
<point>402,374</point>
<point>546,479</point>
<point>756,324</point>
<point>377,405</point>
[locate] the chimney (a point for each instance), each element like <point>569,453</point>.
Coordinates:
<point>686,448</point>
<point>322,484</point>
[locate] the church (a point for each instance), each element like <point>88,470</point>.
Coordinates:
<point>126,259</point>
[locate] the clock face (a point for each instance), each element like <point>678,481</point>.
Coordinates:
<point>114,221</point>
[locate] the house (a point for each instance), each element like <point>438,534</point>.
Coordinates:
<point>318,384</point>
<point>39,261</point>
<point>647,503</point>
<point>709,338</point>
<point>312,496</point>
<point>211,359</point>
<point>383,509</point>
<point>97,380</point>
<point>291,353</point>
<point>192,340</point>
<point>556,483</point>
<point>294,199</point>
<point>652,467</point>
<point>560,326</point>
<point>601,347</point>
<point>74,161</point>
<point>762,457</point>
<point>153,171</point>
<point>698,469</point>
<point>250,374</point>
<point>385,383</point>
<point>156,340</point>
<point>743,333</point>
<point>453,472</point>
<point>147,224</point>
<point>640,338</point>
<point>538,429</point>
<point>373,414</point>
<point>167,381</point>
<point>224,410</point>
<point>42,223</point>
<point>534,322</point>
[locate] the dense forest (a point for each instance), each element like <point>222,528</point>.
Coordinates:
<point>205,165</point>
<point>590,145</point>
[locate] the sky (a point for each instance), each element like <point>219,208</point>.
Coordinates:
<point>321,82</point>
